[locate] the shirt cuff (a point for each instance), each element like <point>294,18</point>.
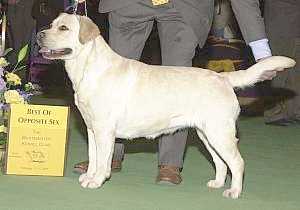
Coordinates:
<point>260,49</point>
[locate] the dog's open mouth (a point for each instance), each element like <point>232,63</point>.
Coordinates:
<point>55,54</point>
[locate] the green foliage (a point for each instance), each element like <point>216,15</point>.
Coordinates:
<point>21,56</point>
<point>28,87</point>
<point>8,50</point>
<point>12,82</point>
<point>2,138</point>
<point>22,53</point>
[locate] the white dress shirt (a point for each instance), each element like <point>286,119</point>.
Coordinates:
<point>260,49</point>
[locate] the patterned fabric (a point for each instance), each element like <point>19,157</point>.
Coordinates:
<point>159,2</point>
<point>225,65</point>
<point>225,55</point>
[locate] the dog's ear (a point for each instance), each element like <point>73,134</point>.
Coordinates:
<point>88,30</point>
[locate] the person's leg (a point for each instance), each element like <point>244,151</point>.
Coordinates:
<point>128,32</point>
<point>20,29</point>
<point>129,29</point>
<point>276,111</point>
<point>178,44</point>
<point>284,40</point>
<point>293,104</point>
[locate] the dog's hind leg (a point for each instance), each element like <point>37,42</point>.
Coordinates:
<point>221,136</point>
<point>221,168</point>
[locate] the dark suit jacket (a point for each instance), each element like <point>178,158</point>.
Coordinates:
<point>199,14</point>
<point>282,18</point>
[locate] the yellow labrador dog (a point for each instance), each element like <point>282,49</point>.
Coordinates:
<point>125,98</point>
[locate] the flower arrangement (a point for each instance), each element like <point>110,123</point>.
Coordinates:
<point>12,91</point>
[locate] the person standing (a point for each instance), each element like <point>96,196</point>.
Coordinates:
<point>282,19</point>
<point>45,11</point>
<point>182,25</point>
<point>20,26</point>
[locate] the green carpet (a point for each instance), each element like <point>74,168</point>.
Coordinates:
<point>272,156</point>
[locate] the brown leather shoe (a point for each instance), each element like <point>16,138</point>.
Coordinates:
<point>82,167</point>
<point>116,166</point>
<point>168,175</point>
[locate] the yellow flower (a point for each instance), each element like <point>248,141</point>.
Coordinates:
<point>3,62</point>
<point>15,79</point>
<point>13,97</point>
<point>3,129</point>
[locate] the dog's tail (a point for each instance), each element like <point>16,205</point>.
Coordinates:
<point>263,70</point>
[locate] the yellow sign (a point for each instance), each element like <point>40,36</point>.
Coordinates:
<point>37,139</point>
<point>159,2</point>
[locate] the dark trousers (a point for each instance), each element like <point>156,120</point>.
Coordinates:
<point>128,32</point>
<point>20,27</point>
<point>283,30</point>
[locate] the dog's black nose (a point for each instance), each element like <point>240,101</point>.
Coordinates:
<point>41,35</point>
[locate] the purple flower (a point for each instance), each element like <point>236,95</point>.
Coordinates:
<point>4,106</point>
<point>2,84</point>
<point>25,95</point>
<point>1,71</point>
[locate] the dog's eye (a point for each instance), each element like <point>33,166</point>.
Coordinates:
<point>63,28</point>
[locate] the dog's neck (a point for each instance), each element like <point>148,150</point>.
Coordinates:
<point>95,55</point>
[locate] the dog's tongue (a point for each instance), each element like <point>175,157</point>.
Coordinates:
<point>47,51</point>
<point>44,50</point>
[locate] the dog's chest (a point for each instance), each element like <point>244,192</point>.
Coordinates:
<point>83,105</point>
<point>79,100</point>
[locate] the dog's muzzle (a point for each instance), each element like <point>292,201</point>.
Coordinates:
<point>49,53</point>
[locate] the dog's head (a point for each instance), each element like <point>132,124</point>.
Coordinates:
<point>66,36</point>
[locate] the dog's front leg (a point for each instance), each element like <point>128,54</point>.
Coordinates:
<point>101,143</point>
<point>92,154</point>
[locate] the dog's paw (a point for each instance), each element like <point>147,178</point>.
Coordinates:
<point>108,175</point>
<point>93,182</point>
<point>83,177</point>
<point>232,193</point>
<point>215,184</point>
